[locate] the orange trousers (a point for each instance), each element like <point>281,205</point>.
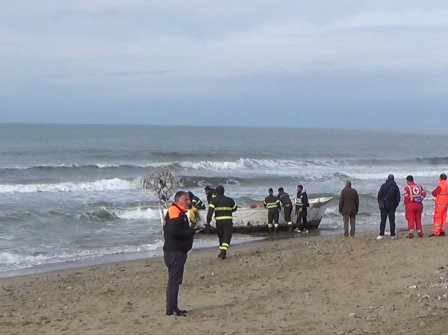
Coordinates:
<point>439,219</point>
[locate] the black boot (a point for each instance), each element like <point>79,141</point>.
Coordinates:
<point>222,254</point>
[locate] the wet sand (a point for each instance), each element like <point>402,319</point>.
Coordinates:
<point>306,285</point>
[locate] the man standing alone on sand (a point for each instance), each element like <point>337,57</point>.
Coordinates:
<point>414,194</point>
<point>178,237</point>
<point>348,208</point>
<point>388,200</point>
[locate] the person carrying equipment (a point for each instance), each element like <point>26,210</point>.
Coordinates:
<point>272,203</point>
<point>285,200</point>
<point>223,207</point>
<point>414,194</point>
<point>441,203</point>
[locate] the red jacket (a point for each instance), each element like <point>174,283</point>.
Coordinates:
<point>413,192</point>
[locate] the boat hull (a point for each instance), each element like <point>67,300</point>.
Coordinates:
<point>254,220</point>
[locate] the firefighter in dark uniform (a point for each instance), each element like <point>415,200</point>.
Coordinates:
<point>286,202</point>
<point>223,207</point>
<point>302,205</point>
<point>210,193</point>
<point>178,237</point>
<point>195,201</point>
<point>272,203</point>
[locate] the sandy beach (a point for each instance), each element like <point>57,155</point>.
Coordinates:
<point>300,285</point>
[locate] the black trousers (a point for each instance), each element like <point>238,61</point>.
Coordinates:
<point>385,213</point>
<point>272,217</point>
<point>287,211</point>
<point>302,221</point>
<point>224,229</point>
<point>175,262</point>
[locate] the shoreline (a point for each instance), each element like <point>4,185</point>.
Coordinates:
<point>311,285</point>
<point>135,256</point>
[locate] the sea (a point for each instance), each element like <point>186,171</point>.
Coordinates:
<point>72,194</point>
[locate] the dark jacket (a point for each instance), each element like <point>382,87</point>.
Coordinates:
<point>211,194</point>
<point>348,201</point>
<point>302,200</point>
<point>177,231</point>
<point>284,199</point>
<point>272,203</point>
<point>223,207</point>
<point>388,195</point>
<point>195,201</point>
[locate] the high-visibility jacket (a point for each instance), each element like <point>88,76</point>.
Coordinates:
<point>272,203</point>
<point>223,207</point>
<point>414,192</point>
<point>441,193</point>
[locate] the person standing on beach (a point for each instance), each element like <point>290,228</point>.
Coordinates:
<point>286,202</point>
<point>414,194</point>
<point>302,205</point>
<point>210,193</point>
<point>388,199</point>
<point>223,207</point>
<point>272,203</point>
<point>440,194</point>
<point>348,208</point>
<point>178,236</point>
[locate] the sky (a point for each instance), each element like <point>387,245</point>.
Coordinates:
<point>320,63</point>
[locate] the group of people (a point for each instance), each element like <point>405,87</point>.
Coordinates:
<point>178,232</point>
<point>274,203</point>
<point>389,197</point>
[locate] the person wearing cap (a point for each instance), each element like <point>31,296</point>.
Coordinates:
<point>286,202</point>
<point>440,194</point>
<point>223,207</point>
<point>348,208</point>
<point>388,199</point>
<point>414,194</point>
<point>272,203</point>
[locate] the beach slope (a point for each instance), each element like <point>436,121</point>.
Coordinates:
<point>306,285</point>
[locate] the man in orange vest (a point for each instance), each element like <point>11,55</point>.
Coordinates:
<point>441,203</point>
<point>414,194</point>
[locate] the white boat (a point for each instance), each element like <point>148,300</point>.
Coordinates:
<point>254,219</point>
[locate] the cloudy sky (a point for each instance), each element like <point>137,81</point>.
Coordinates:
<point>320,63</point>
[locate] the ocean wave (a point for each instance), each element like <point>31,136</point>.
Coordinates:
<point>94,186</point>
<point>10,260</point>
<point>137,213</point>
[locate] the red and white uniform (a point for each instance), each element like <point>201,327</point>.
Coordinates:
<point>414,194</point>
<point>441,203</point>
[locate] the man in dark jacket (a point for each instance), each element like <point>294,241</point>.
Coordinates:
<point>178,237</point>
<point>348,208</point>
<point>302,205</point>
<point>388,200</point>
<point>286,202</point>
<point>223,207</point>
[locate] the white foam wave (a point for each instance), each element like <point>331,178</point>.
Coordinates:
<point>94,186</point>
<point>138,214</point>
<point>10,261</point>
